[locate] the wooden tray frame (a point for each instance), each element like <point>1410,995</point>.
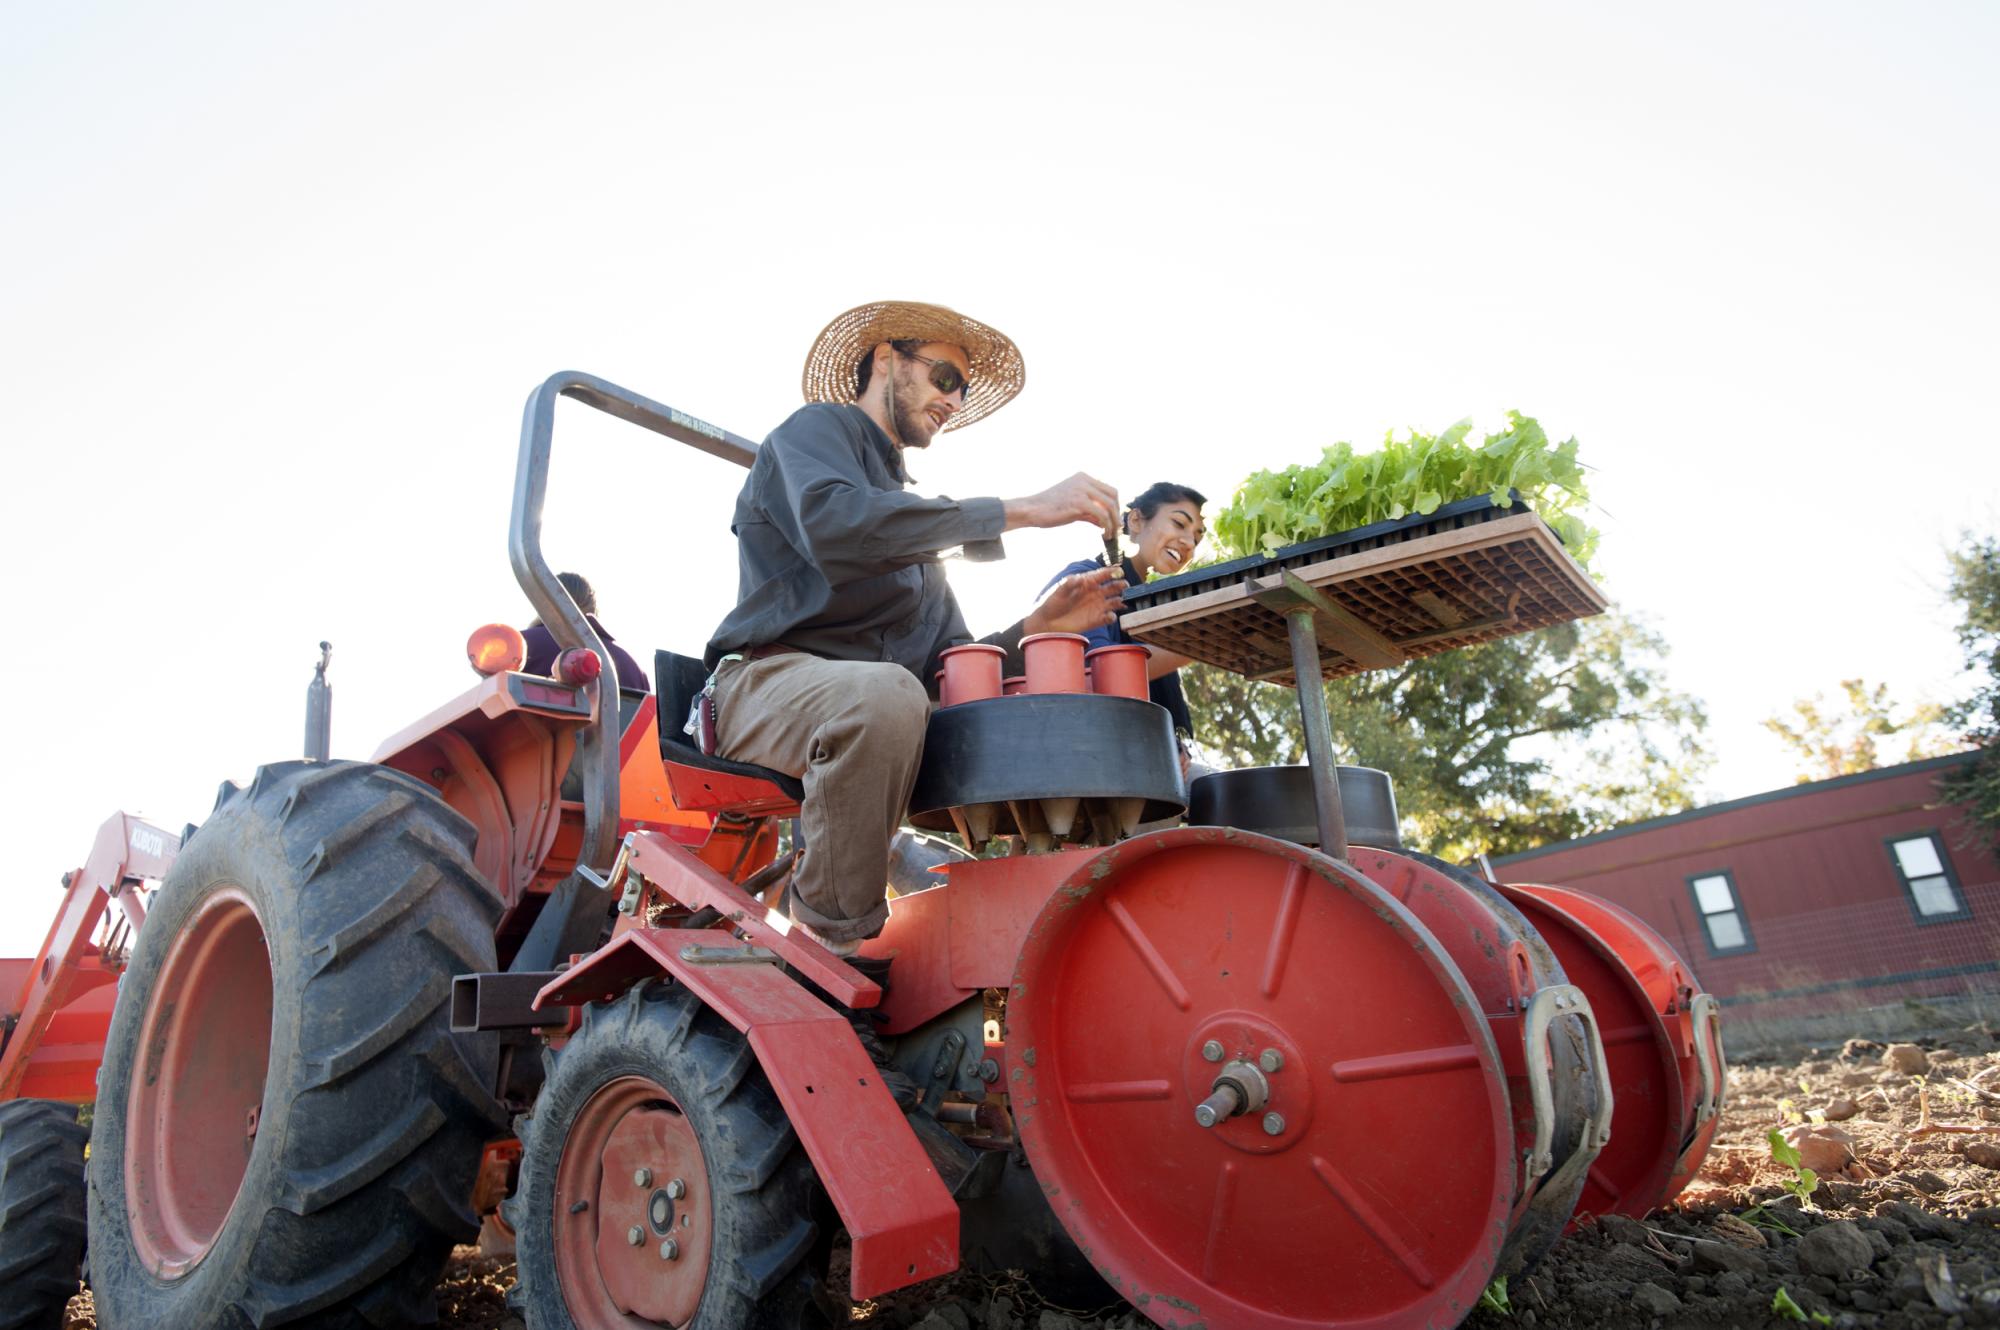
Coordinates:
<point>1380,607</point>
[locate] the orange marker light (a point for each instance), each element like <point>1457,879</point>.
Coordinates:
<point>495,647</point>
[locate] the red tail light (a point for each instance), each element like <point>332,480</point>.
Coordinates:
<point>578,666</point>
<point>494,648</point>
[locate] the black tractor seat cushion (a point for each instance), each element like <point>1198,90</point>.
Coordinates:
<point>676,682</point>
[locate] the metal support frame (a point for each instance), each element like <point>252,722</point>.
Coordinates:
<point>573,917</point>
<point>1302,605</point>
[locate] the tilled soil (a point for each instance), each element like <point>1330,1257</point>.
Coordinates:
<point>1903,1229</point>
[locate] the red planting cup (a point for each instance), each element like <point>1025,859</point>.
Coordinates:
<point>1055,662</point>
<point>1013,684</point>
<point>1119,671</point>
<point>971,673</point>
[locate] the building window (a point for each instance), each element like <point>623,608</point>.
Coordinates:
<point>1721,914</point>
<point>1926,875</point>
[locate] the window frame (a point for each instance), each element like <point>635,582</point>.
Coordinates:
<point>1964,910</point>
<point>1736,904</point>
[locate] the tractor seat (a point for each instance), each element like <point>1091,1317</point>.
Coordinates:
<point>676,682</point>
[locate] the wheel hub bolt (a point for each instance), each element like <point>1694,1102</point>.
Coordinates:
<point>670,1250</point>
<point>642,1178</point>
<point>635,1235</point>
<point>1274,1124</point>
<point>1212,1051</point>
<point>676,1189</point>
<point>1271,1059</point>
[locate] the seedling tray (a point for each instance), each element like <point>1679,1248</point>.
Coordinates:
<point>1468,573</point>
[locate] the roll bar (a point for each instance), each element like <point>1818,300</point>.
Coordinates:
<point>568,923</point>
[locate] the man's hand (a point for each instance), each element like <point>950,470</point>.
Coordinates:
<point>1081,498</point>
<point>1079,603</point>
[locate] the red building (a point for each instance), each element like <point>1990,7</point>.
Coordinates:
<point>1859,905</point>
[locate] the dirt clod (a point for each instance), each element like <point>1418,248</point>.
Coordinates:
<point>1836,1250</point>
<point>1824,1150</point>
<point>1906,1059</point>
<point>1654,1300</point>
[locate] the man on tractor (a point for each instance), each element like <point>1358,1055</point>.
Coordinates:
<point>821,670</point>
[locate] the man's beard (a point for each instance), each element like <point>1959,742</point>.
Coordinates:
<point>913,427</point>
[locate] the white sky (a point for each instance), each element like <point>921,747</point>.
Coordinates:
<point>277,280</point>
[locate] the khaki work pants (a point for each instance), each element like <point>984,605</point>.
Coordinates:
<point>853,733</point>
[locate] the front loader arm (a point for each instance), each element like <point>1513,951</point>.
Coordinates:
<point>127,851</point>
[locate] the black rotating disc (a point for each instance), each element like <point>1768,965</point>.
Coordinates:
<point>1047,746</point>
<point>1278,802</point>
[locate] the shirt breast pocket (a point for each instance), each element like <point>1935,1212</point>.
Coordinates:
<point>910,636</point>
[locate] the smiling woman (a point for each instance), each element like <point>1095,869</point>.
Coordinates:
<point>1164,527</point>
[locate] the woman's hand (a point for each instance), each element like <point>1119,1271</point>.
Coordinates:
<point>1079,603</point>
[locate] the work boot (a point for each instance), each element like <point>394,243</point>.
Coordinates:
<point>905,1091</point>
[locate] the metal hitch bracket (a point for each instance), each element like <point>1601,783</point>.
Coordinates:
<point>1543,1009</point>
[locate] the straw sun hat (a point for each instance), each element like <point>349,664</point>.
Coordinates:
<point>996,369</point>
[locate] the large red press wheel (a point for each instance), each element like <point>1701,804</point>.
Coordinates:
<point>1371,1184</point>
<point>1512,970</point>
<point>1662,1046</point>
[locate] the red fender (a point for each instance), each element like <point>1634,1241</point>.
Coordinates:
<point>901,1219</point>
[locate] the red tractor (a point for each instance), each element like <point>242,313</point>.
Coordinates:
<point>1266,1068</point>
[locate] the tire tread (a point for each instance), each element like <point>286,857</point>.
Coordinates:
<point>42,1222</point>
<point>371,878</point>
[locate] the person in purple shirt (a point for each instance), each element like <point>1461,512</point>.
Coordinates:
<point>1163,526</point>
<point>542,643</point>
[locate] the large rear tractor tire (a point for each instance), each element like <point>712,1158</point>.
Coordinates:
<point>287,1131</point>
<point>662,1184</point>
<point>41,1212</point>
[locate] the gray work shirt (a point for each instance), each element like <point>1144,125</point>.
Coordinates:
<point>835,557</point>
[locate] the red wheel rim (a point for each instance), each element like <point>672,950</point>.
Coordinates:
<point>631,1165</point>
<point>1392,1154</point>
<point>1627,984</point>
<point>197,1096</point>
<point>1671,989</point>
<point>1502,978</point>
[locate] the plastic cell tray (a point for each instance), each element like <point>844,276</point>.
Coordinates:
<point>1471,572</point>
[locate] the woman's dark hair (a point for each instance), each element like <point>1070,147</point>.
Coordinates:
<point>866,369</point>
<point>579,591</point>
<point>1164,492</point>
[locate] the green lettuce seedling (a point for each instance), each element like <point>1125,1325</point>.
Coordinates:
<point>1803,1180</point>
<point>1412,473</point>
<point>1782,1305</point>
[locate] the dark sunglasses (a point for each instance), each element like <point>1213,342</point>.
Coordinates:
<point>945,376</point>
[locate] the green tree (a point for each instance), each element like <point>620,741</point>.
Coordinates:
<point>1829,740</point>
<point>1496,748</point>
<point>1975,585</point>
